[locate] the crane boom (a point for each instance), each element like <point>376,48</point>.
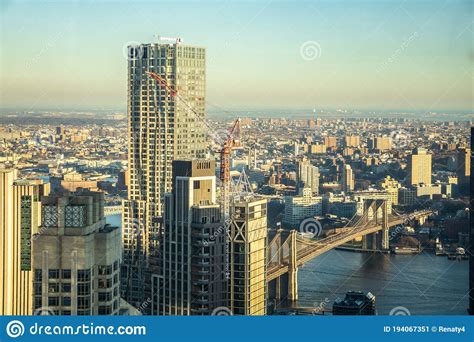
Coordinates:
<point>232,141</point>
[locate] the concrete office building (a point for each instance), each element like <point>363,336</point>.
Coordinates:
<point>193,279</point>
<point>161,129</point>
<point>76,257</point>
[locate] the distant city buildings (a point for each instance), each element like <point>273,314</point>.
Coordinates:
<point>463,166</point>
<point>330,142</point>
<point>179,257</point>
<point>352,141</point>
<point>308,176</point>
<point>348,179</point>
<point>297,208</point>
<point>339,205</point>
<point>379,144</point>
<point>391,186</point>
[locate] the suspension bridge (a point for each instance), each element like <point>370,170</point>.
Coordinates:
<point>288,250</point>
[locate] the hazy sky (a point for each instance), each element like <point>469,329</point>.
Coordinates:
<point>380,54</point>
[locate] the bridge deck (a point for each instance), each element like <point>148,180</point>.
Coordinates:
<point>313,249</point>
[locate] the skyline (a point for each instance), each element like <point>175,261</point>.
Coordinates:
<point>385,56</point>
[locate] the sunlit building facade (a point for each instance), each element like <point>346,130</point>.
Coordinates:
<point>165,122</point>
<point>247,257</point>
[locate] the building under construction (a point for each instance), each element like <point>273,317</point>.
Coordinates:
<point>163,125</point>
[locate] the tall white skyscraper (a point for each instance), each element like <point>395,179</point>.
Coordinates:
<point>165,122</point>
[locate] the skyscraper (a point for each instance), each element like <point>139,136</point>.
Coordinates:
<point>164,123</point>
<point>419,167</point>
<point>7,242</point>
<point>76,257</point>
<point>20,216</point>
<point>193,276</point>
<point>247,256</point>
<point>26,221</point>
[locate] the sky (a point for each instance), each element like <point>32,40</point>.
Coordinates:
<point>369,55</point>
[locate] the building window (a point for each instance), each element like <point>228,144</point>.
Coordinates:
<point>83,289</point>
<point>53,301</point>
<point>66,288</point>
<point>105,270</point>
<point>84,275</point>
<point>53,288</point>
<point>66,301</point>
<point>37,288</point>
<point>54,274</point>
<point>83,303</point>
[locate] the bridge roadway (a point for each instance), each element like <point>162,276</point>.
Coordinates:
<point>112,210</point>
<point>315,248</point>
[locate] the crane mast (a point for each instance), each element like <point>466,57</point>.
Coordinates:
<point>232,141</point>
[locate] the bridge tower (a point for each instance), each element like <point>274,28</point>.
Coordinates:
<point>292,268</point>
<point>384,232</point>
<point>283,251</point>
<point>376,210</point>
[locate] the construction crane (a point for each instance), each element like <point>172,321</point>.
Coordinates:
<point>232,141</point>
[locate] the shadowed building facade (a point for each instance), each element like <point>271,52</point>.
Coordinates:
<point>193,277</point>
<point>76,257</point>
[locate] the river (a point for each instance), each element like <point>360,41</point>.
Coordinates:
<point>424,284</point>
